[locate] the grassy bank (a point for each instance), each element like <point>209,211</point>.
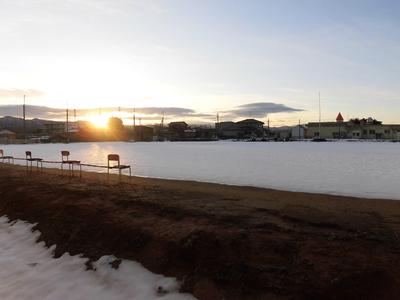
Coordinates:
<point>221,241</point>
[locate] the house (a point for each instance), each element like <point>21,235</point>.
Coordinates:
<point>204,133</point>
<point>283,133</point>
<point>143,133</point>
<point>53,128</point>
<point>178,126</point>
<point>249,128</point>
<point>7,134</point>
<point>227,130</point>
<point>176,130</point>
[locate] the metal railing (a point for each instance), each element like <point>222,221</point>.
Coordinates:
<point>71,170</point>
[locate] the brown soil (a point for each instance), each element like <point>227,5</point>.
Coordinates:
<point>223,242</point>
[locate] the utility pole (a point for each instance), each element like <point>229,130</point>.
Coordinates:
<point>162,120</point>
<point>217,127</point>
<point>161,131</point>
<point>319,103</point>
<point>134,118</point>
<point>299,130</point>
<point>134,125</point>
<point>24,119</point>
<point>141,129</point>
<point>67,125</point>
<point>74,115</point>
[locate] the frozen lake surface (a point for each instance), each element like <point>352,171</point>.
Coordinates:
<point>28,271</point>
<point>364,169</point>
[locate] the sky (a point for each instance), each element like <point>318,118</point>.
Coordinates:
<point>263,59</point>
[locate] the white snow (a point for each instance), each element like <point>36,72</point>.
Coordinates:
<point>28,271</point>
<point>364,169</point>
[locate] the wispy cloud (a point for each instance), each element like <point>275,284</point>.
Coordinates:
<point>15,93</point>
<point>122,7</point>
<point>32,111</point>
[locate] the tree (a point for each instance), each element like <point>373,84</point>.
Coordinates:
<point>115,125</point>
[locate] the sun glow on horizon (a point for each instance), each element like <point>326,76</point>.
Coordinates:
<point>100,121</point>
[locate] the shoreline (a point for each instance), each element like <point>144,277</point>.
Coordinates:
<point>222,241</point>
<point>306,140</point>
<point>186,181</point>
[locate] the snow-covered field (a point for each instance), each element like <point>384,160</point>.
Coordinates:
<point>28,271</point>
<point>364,169</point>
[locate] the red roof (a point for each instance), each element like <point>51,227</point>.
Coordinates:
<point>339,118</point>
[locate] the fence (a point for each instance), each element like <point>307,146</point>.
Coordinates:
<point>71,170</point>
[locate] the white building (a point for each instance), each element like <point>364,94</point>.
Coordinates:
<point>298,132</point>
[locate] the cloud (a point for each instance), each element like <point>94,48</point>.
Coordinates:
<point>166,110</point>
<point>150,114</point>
<point>170,112</point>
<point>157,112</point>
<point>19,93</point>
<point>32,111</point>
<point>258,110</point>
<point>121,7</point>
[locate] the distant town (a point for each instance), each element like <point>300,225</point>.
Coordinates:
<point>15,130</point>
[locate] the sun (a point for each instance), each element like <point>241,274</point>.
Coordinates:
<point>99,121</point>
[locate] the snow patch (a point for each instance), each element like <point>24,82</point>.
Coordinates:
<point>29,271</point>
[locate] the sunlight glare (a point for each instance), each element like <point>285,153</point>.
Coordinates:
<point>99,121</point>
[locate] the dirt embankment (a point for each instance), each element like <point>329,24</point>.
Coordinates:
<point>223,242</point>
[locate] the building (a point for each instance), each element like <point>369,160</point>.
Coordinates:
<point>249,128</point>
<point>327,130</point>
<point>354,129</point>
<point>53,128</point>
<point>176,130</point>
<point>178,126</point>
<point>7,134</point>
<point>298,132</point>
<point>283,133</point>
<point>143,133</point>
<point>204,133</point>
<point>227,130</point>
